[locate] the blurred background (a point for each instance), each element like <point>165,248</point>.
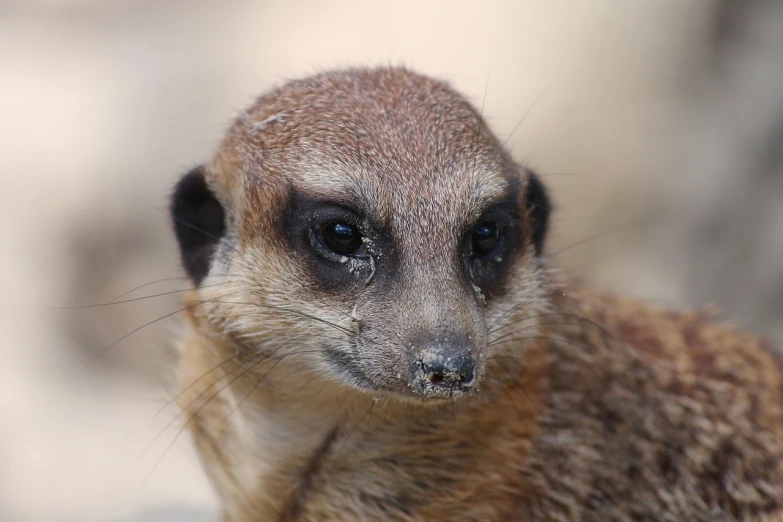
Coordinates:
<point>658,126</point>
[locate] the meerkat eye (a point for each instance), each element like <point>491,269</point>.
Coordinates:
<point>341,238</point>
<point>486,237</point>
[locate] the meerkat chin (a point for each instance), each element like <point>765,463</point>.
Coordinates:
<point>372,335</point>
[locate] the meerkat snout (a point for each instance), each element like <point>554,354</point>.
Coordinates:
<point>445,368</point>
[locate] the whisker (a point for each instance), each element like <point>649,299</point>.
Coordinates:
<point>190,419</point>
<point>565,312</point>
<point>616,230</point>
<point>243,338</point>
<point>104,351</point>
<point>358,142</point>
<point>369,422</point>
<point>532,327</point>
<point>179,278</point>
<point>510,397</point>
<point>506,357</point>
<point>297,370</point>
<point>115,302</point>
<point>525,329</point>
<point>189,386</point>
<point>327,381</point>
<point>388,407</point>
<point>258,383</point>
<point>493,376</point>
<point>408,422</point>
<point>526,318</point>
<point>289,310</point>
<point>350,433</point>
<point>514,308</point>
<point>314,378</point>
<point>201,394</point>
<point>546,175</point>
<point>530,108</point>
<point>303,314</point>
<point>587,320</point>
<point>187,423</point>
<point>478,127</point>
<point>260,358</point>
<point>538,337</point>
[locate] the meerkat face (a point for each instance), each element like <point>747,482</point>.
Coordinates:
<point>368,227</point>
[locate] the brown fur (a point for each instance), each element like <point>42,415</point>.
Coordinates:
<point>591,407</point>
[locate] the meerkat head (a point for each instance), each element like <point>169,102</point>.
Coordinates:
<point>368,228</point>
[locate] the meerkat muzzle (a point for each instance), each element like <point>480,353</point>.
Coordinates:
<point>446,368</point>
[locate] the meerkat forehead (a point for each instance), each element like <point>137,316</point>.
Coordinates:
<point>402,147</point>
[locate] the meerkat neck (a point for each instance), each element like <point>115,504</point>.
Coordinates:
<point>268,441</point>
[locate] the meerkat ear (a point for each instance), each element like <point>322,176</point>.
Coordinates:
<point>199,223</point>
<point>539,207</point>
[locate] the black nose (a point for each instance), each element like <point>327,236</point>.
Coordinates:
<point>444,368</point>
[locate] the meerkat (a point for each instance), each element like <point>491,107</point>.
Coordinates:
<point>373,333</point>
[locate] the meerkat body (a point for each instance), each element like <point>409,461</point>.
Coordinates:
<point>373,335</point>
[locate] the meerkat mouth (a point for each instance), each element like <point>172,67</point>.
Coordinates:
<point>432,379</point>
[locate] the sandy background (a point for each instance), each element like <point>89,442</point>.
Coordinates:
<point>658,126</point>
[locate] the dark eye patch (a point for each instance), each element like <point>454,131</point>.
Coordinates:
<point>523,217</point>
<point>336,242</point>
<point>491,243</point>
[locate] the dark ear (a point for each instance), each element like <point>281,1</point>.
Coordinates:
<point>539,208</point>
<point>198,223</point>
